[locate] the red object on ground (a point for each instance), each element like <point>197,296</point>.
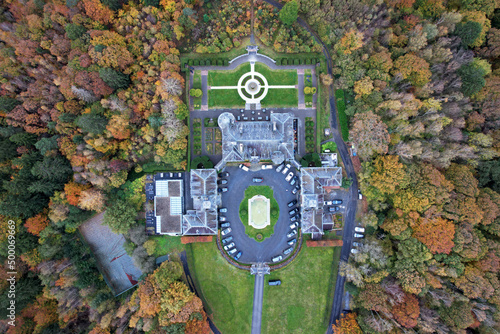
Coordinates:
<point>324,243</point>
<point>191,239</point>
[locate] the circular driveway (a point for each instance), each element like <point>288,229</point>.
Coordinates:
<point>238,181</point>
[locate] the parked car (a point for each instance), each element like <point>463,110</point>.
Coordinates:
<point>354,251</point>
<point>287,167</point>
<point>257,179</point>
<point>225,225</point>
<point>226,231</point>
<point>232,251</point>
<point>227,247</point>
<point>223,181</point>
<point>267,166</point>
<point>293,225</point>
<point>222,218</point>
<point>274,282</point>
<point>288,251</point>
<point>336,201</point>
<point>357,235</point>
<point>245,168</point>
<point>279,168</point>
<point>292,242</point>
<point>294,218</point>
<point>277,258</point>
<point>292,203</point>
<point>333,209</point>
<point>293,211</point>
<point>360,196</point>
<point>359,229</point>
<point>226,240</point>
<point>291,233</point>
<point>237,256</point>
<point>223,210</point>
<point>222,190</point>
<point>289,177</point>
<point>356,244</point>
<point>223,174</point>
<point>294,180</point>
<point>294,191</point>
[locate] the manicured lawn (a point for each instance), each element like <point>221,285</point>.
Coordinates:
<point>279,77</point>
<point>224,98</point>
<point>167,244</point>
<point>227,292</point>
<point>227,78</point>
<point>339,97</point>
<point>267,231</point>
<point>281,98</point>
<point>197,85</point>
<point>302,303</point>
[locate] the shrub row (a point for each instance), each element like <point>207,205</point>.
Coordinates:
<point>204,62</point>
<point>297,61</point>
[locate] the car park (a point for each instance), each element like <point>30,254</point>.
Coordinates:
<point>357,235</point>
<point>289,177</point>
<point>223,181</point>
<point>294,191</point>
<point>292,242</point>
<point>232,251</point>
<point>245,168</point>
<point>231,245</point>
<point>287,167</point>
<point>257,179</point>
<point>225,225</point>
<point>222,218</point>
<point>291,233</point>
<point>293,211</point>
<point>267,166</point>
<point>226,231</point>
<point>222,190</point>
<point>279,168</point>
<point>288,251</point>
<point>226,240</point>
<point>223,210</point>
<point>333,209</point>
<point>359,229</point>
<point>292,203</point>
<point>237,256</point>
<point>293,225</point>
<point>354,251</point>
<point>274,282</point>
<point>277,258</point>
<point>223,174</point>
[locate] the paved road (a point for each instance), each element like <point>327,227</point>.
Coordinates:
<point>193,288</point>
<point>349,168</point>
<point>252,250</point>
<point>258,298</point>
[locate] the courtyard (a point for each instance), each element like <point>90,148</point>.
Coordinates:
<point>260,218</point>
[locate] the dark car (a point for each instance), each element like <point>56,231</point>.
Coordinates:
<point>292,203</point>
<point>293,219</point>
<point>225,225</point>
<point>292,242</point>
<point>223,181</point>
<point>333,209</point>
<point>222,190</point>
<point>257,179</point>
<point>336,201</point>
<point>293,212</point>
<point>237,256</point>
<point>226,240</point>
<point>275,282</point>
<point>223,174</point>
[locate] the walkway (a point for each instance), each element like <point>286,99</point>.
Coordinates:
<point>258,298</point>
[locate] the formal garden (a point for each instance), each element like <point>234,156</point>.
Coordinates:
<point>259,234</point>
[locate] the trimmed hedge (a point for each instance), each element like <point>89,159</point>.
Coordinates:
<point>340,100</point>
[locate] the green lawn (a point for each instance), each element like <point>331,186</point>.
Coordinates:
<point>281,98</point>
<point>277,77</point>
<point>167,244</point>
<point>224,98</point>
<point>302,303</point>
<point>197,85</point>
<point>227,77</point>
<point>227,292</point>
<point>339,97</point>
<point>267,231</point>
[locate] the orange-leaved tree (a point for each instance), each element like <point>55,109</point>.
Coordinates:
<point>347,324</point>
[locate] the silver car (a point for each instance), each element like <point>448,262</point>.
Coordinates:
<point>356,235</point>
<point>288,251</point>
<point>277,258</point>
<point>232,251</point>
<point>227,247</point>
<point>226,231</point>
<point>359,229</point>
<point>291,234</point>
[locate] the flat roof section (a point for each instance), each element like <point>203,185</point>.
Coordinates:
<point>169,223</point>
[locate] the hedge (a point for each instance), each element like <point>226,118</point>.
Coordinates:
<point>339,97</point>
